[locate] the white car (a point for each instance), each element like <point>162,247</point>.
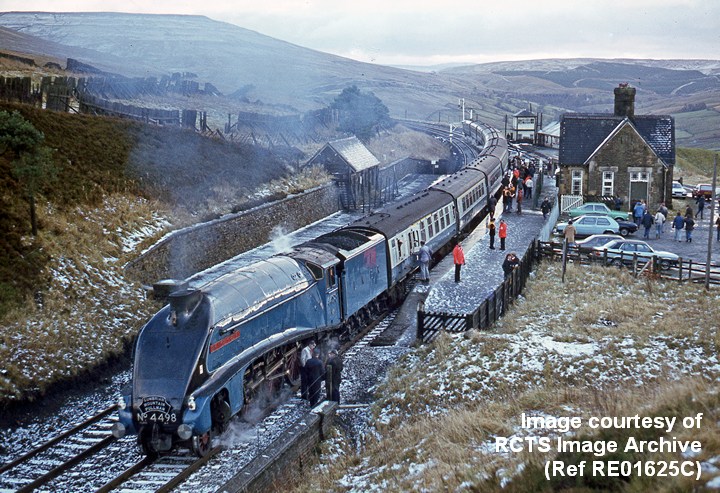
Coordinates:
<point>678,191</point>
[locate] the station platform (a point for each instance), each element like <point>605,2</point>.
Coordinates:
<point>482,272</point>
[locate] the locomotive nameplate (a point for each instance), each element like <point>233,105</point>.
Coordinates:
<point>156,410</point>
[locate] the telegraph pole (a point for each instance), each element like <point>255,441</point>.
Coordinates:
<point>713,203</point>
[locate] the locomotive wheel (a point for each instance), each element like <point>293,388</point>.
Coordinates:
<point>221,414</point>
<point>201,444</point>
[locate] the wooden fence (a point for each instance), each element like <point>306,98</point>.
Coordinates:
<point>683,271</point>
<point>430,324</point>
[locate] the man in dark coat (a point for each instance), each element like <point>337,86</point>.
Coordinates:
<point>511,261</point>
<point>333,375</point>
<point>315,373</point>
<point>647,222</point>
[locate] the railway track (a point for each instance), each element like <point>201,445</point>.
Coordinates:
<point>90,444</point>
<point>442,131</point>
<point>46,462</point>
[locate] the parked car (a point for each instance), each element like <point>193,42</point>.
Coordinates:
<point>591,225</point>
<point>597,208</point>
<point>622,252</point>
<point>704,189</point>
<point>678,190</point>
<point>588,244</point>
<point>627,227</point>
<point>595,225</point>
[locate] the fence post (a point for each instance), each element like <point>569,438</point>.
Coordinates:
<point>420,321</point>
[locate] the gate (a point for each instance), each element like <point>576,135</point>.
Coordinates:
<point>568,202</point>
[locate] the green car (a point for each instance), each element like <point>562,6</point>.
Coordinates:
<point>597,208</point>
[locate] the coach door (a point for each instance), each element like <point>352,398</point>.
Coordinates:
<point>332,295</point>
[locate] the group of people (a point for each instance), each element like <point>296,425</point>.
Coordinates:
<point>313,371</point>
<point>501,229</point>
<point>686,223</point>
<point>517,184</point>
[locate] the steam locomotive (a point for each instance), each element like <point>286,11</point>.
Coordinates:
<point>213,351</point>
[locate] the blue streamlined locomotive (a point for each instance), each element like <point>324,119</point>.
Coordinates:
<point>213,350</point>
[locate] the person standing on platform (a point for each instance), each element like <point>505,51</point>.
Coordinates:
<point>511,261</point>
<point>333,374</point>
<point>529,186</point>
<point>491,231</point>
<point>502,233</point>
<point>458,259</point>
<point>315,372</point>
<point>545,207</point>
<point>305,356</point>
<point>519,199</point>
<point>717,227</point>
<point>424,256</point>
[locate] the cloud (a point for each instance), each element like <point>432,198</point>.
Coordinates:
<point>422,31</point>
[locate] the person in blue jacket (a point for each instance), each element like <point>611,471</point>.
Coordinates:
<point>638,212</point>
<point>678,224</point>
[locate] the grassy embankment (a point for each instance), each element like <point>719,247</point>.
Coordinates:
<point>694,165</point>
<point>601,344</point>
<point>65,305</point>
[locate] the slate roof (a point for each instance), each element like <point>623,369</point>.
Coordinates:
<point>354,153</point>
<point>582,134</point>
<point>552,128</point>
<point>524,113</point>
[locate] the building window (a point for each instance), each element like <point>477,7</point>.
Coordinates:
<point>577,178</point>
<point>608,181</point>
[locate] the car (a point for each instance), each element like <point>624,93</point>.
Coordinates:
<point>594,225</point>
<point>678,190</point>
<point>704,189</point>
<point>627,227</point>
<point>597,208</point>
<point>591,225</point>
<point>588,244</point>
<point>623,252</point>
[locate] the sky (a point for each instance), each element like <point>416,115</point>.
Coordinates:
<point>431,32</point>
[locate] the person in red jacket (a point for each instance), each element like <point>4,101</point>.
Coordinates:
<point>502,233</point>
<point>459,259</point>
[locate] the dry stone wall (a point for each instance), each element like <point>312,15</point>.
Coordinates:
<point>190,250</point>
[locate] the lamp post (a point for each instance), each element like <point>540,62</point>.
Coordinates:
<point>710,227</point>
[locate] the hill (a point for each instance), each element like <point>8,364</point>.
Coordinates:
<point>181,171</point>
<point>263,74</point>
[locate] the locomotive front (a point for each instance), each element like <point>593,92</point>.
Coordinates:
<point>167,366</point>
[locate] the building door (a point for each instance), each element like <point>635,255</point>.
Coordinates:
<point>639,185</point>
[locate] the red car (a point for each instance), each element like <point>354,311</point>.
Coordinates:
<point>704,189</point>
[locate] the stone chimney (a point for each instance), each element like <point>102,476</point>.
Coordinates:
<point>625,100</point>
